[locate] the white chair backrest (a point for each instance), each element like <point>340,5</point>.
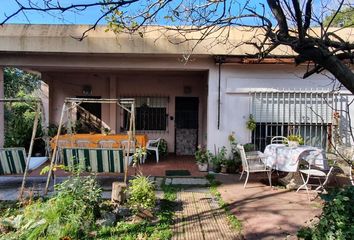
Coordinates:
<point>279,140</point>
<point>106,143</point>
<point>242,153</point>
<point>152,143</point>
<point>63,143</point>
<point>82,143</point>
<point>124,145</point>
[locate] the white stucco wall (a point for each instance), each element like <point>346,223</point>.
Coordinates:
<point>236,82</point>
<point>2,118</point>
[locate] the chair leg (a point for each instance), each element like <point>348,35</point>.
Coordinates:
<point>241,174</point>
<point>248,174</point>
<point>304,185</point>
<point>157,156</point>
<point>320,186</point>
<point>270,178</point>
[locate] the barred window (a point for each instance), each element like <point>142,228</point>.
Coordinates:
<point>150,114</point>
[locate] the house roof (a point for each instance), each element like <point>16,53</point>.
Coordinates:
<point>154,40</point>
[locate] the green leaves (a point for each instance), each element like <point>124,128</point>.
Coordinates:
<point>71,213</point>
<point>141,193</point>
<point>16,81</point>
<point>336,221</point>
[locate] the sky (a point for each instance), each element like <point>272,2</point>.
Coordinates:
<point>7,7</point>
<point>89,16</point>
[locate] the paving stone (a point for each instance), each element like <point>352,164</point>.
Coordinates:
<point>168,181</point>
<point>197,219</point>
<point>189,181</point>
<point>158,182</point>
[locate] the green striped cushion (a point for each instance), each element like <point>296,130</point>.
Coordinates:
<point>94,159</point>
<point>12,160</point>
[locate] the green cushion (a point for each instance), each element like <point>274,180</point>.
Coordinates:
<point>94,159</point>
<point>12,160</point>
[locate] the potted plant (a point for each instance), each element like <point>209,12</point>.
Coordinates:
<point>216,162</point>
<point>251,123</point>
<point>234,163</point>
<point>202,158</point>
<point>295,140</point>
<point>222,159</point>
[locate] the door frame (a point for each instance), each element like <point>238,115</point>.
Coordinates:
<point>197,128</point>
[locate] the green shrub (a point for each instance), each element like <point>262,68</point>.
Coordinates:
<point>71,213</point>
<point>249,147</point>
<point>163,148</point>
<point>19,119</point>
<point>336,221</point>
<point>141,193</point>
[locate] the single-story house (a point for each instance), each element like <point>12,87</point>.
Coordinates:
<point>187,99</point>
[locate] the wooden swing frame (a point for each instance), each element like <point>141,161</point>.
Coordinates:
<point>38,111</point>
<point>128,104</point>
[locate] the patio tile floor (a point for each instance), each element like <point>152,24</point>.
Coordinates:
<point>267,213</point>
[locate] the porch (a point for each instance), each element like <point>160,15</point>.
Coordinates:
<point>150,168</point>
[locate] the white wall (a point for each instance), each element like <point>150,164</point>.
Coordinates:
<point>2,117</point>
<point>236,82</point>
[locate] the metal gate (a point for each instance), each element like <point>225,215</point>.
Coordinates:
<point>310,114</point>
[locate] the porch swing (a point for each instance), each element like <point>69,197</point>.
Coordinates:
<point>91,159</point>
<point>13,160</point>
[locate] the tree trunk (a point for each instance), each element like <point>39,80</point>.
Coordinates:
<point>342,72</point>
<point>331,63</point>
<point>118,192</point>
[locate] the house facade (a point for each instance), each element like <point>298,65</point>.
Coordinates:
<point>187,99</point>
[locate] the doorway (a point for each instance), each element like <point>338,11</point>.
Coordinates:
<point>186,125</point>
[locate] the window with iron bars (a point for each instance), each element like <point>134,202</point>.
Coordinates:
<point>305,113</point>
<point>150,114</point>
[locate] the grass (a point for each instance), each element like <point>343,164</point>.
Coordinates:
<point>233,220</point>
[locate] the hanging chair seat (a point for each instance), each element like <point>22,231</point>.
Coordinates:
<point>94,159</point>
<point>12,160</point>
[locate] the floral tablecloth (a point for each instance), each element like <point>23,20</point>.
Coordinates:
<point>284,158</point>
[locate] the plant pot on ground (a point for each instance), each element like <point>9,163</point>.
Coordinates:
<point>202,158</point>
<point>203,167</point>
<point>223,168</point>
<point>219,160</point>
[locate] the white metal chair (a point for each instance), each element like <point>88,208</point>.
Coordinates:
<point>311,172</point>
<point>252,163</point>
<point>153,145</point>
<point>106,143</point>
<point>279,140</point>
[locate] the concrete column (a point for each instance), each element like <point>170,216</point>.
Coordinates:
<point>113,107</point>
<point>2,117</point>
